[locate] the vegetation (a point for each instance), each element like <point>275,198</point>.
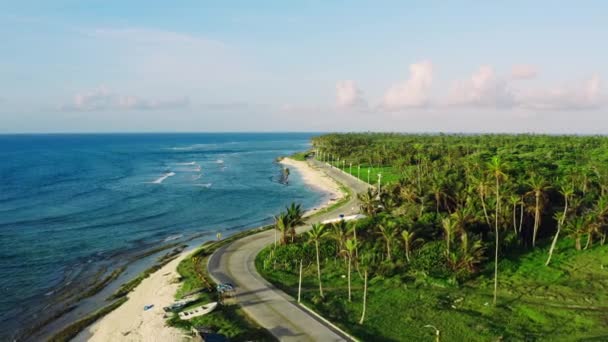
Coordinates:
<point>228,319</point>
<point>483,237</point>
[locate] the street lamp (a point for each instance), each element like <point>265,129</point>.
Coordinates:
<point>436,331</point>
<point>343,164</point>
<point>359,171</point>
<point>368,172</point>
<point>350,170</point>
<point>379,178</point>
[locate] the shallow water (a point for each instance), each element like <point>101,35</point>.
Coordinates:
<point>71,203</point>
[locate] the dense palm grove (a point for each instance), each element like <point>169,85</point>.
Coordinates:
<point>457,205</point>
<point>483,192</point>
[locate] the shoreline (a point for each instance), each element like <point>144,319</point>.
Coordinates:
<point>131,322</point>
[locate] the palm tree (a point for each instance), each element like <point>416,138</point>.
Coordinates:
<point>576,228</point>
<point>449,228</point>
<point>349,250</point>
<point>514,200</point>
<point>566,190</point>
<point>295,216</point>
<point>496,167</point>
<point>408,237</point>
<point>388,230</point>
<point>281,223</point>
<point>369,202</point>
<point>316,234</point>
<point>340,233</point>
<point>539,186</point>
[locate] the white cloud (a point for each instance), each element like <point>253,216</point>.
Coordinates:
<point>348,95</point>
<point>102,99</point>
<point>483,89</point>
<point>524,72</point>
<point>582,95</point>
<point>414,92</point>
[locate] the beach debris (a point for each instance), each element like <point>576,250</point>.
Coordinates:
<point>148,307</point>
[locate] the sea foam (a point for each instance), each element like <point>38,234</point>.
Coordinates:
<point>163,177</point>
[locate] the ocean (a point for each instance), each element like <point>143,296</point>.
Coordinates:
<point>77,205</point>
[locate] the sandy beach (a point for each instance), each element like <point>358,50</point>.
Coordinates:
<point>131,323</point>
<point>317,180</point>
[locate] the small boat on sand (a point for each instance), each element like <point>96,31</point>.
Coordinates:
<point>198,311</point>
<point>178,305</point>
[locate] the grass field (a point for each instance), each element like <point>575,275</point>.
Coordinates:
<point>567,301</point>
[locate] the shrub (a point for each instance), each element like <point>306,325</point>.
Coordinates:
<point>430,259</point>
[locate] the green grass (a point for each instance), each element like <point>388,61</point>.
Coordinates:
<point>300,156</point>
<point>566,301</point>
<point>389,173</point>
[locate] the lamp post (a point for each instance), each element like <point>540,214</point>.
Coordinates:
<point>351,168</point>
<point>359,171</point>
<point>436,331</point>
<point>368,172</point>
<point>379,178</point>
<point>343,165</point>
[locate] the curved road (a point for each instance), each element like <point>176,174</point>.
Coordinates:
<point>270,307</point>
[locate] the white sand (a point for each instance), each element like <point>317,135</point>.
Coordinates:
<point>317,179</point>
<point>130,322</point>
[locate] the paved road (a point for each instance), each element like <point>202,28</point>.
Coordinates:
<point>272,308</point>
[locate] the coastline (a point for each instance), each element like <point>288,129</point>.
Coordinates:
<point>317,180</point>
<point>130,321</point>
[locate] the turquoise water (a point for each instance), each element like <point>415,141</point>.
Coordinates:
<point>71,205</point>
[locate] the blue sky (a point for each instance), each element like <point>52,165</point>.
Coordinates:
<point>466,66</point>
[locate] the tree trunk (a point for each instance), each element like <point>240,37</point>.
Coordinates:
<point>577,243</point>
<point>364,297</point>
<point>559,227</point>
<point>388,250</point>
<point>589,240</point>
<point>319,269</point>
<point>536,219</point>
<point>349,292</point>
<point>515,218</point>
<point>521,215</point>
<point>407,251</point>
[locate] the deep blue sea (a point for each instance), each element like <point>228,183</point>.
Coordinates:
<point>71,203</point>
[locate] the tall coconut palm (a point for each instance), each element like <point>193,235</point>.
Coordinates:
<point>281,223</point>
<point>339,233</point>
<point>566,190</point>
<point>315,235</point>
<point>295,216</point>
<point>538,186</point>
<point>349,250</point>
<point>496,168</point>
<point>388,230</point>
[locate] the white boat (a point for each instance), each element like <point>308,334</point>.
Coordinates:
<point>198,311</point>
<point>177,305</point>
